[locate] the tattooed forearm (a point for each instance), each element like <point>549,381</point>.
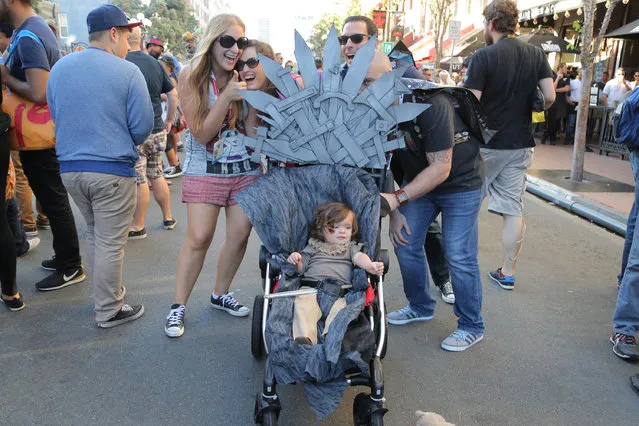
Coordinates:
<point>440,156</point>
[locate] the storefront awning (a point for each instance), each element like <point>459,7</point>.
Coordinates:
<point>628,31</point>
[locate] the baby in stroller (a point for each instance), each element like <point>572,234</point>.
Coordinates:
<point>326,263</point>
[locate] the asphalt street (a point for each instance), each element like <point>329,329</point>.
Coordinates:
<point>545,359</point>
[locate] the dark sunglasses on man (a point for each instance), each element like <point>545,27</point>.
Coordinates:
<point>227,41</point>
<point>356,38</point>
<point>250,62</point>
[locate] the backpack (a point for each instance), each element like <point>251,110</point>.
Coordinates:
<point>626,130</point>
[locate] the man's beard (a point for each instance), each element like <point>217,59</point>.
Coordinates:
<point>488,38</point>
<point>155,54</point>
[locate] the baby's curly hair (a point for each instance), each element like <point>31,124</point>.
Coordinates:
<point>327,215</point>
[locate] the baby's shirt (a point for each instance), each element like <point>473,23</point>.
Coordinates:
<point>322,260</point>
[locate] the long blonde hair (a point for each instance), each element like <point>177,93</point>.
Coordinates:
<point>202,65</point>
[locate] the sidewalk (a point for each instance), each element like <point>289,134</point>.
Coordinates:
<point>606,195</point>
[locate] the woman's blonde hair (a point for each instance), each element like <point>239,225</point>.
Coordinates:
<point>201,66</point>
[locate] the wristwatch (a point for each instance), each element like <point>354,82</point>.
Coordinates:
<point>402,197</point>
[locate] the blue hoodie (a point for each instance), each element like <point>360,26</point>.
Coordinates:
<point>101,109</point>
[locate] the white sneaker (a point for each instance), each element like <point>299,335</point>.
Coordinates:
<point>175,322</point>
<point>33,243</point>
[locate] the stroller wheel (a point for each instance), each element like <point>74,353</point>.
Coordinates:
<point>366,412</point>
<point>257,344</point>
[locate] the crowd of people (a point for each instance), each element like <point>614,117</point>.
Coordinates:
<point>111,160</point>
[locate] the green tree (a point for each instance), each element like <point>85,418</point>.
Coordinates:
<point>320,32</point>
<point>441,12</point>
<point>170,19</point>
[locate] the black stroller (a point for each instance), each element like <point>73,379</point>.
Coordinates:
<point>280,205</point>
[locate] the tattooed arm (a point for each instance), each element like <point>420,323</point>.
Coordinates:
<point>437,171</point>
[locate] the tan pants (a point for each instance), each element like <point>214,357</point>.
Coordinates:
<point>107,203</point>
<point>306,314</point>
<point>24,195</point>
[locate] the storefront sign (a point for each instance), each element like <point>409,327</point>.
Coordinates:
<point>549,46</point>
<point>534,12</point>
<point>379,17</point>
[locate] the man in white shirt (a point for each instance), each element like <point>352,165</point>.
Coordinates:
<point>635,83</point>
<point>572,100</point>
<point>616,89</point>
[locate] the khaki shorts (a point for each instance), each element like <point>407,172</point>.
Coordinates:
<point>150,163</point>
<point>505,181</point>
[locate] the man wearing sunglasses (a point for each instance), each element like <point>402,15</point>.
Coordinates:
<point>356,32</point>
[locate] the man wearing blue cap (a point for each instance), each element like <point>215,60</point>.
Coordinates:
<point>32,53</point>
<point>102,111</point>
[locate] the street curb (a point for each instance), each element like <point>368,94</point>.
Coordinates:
<point>601,214</point>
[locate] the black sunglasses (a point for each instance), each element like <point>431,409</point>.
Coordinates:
<point>227,41</point>
<point>357,38</point>
<point>250,62</point>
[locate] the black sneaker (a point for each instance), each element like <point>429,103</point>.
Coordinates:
<point>624,346</point>
<point>61,279</point>
<point>175,321</point>
<point>173,172</point>
<point>50,264</point>
<point>137,235</point>
<point>15,304</point>
<point>448,295</point>
<point>169,224</point>
<point>227,302</point>
<point>127,314</point>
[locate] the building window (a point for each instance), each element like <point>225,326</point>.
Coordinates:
<point>63,26</point>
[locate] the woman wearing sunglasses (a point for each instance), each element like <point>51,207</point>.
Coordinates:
<point>216,166</point>
<point>252,73</point>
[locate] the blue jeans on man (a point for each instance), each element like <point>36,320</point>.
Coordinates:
<point>626,316</point>
<point>460,227</point>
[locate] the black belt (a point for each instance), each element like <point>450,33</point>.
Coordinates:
<point>328,285</point>
<point>234,168</point>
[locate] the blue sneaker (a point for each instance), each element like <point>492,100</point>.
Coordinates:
<point>461,340</point>
<point>406,315</point>
<point>507,282</point>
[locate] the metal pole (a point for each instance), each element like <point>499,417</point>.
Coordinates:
<point>452,52</point>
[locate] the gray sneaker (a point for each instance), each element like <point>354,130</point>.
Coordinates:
<point>461,340</point>
<point>127,314</point>
<point>406,315</point>
<point>448,295</point>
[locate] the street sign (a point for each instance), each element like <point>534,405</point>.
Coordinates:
<point>454,30</point>
<point>387,47</point>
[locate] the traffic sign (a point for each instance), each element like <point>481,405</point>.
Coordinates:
<point>387,47</point>
<point>454,30</point>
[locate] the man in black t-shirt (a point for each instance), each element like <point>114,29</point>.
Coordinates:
<point>439,172</point>
<point>558,110</point>
<point>504,76</point>
<point>150,164</point>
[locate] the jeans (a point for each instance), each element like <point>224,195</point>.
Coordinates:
<point>43,171</point>
<point>632,217</point>
<point>626,316</point>
<point>460,226</point>
<point>22,245</point>
<point>571,123</point>
<point>435,256</point>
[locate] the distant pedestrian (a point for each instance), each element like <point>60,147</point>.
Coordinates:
<point>101,108</point>
<point>504,76</point>
<point>149,167</point>
<point>154,47</point>
<point>26,73</point>
<point>615,90</point>
<point>559,109</point>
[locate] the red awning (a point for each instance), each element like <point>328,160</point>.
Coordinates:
<point>426,51</point>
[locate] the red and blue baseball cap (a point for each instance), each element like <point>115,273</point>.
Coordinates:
<point>108,16</point>
<point>155,40</point>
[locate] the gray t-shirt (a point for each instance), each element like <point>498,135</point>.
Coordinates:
<point>322,260</point>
